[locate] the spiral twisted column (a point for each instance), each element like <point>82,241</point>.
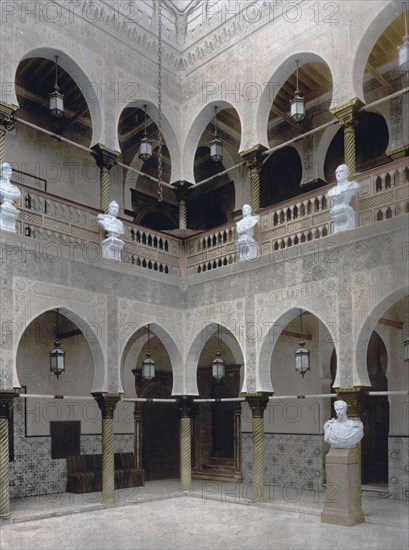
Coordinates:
<point>182,190</point>
<point>185,444</point>
<point>347,116</point>
<point>254,161</point>
<point>258,403</point>
<point>107,403</point>
<point>6,123</point>
<point>6,401</point>
<point>105,159</point>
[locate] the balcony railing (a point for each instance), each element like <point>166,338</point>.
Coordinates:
<point>384,194</point>
<point>50,219</point>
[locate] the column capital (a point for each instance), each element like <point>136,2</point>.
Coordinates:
<point>253,156</point>
<point>6,115</point>
<point>182,188</point>
<point>107,403</point>
<point>6,401</point>
<point>105,157</point>
<point>353,397</point>
<point>257,402</point>
<point>185,406</point>
<point>346,114</point>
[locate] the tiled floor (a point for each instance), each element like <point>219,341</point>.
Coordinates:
<point>213,515</point>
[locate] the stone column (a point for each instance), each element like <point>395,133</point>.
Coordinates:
<point>6,124</point>
<point>105,159</point>
<point>254,161</point>
<point>138,436</point>
<point>346,114</point>
<point>107,403</point>
<point>237,443</point>
<point>258,402</point>
<point>185,405</point>
<point>6,402</point>
<point>181,189</point>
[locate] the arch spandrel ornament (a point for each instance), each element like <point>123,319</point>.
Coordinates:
<point>88,310</point>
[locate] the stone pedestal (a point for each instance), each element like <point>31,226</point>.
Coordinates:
<point>112,248</point>
<point>342,504</point>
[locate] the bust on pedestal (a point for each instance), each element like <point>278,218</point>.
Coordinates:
<point>112,246</point>
<point>342,214</point>
<point>246,246</point>
<point>342,504</point>
<point>8,194</point>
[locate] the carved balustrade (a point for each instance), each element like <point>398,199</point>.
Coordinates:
<point>384,194</point>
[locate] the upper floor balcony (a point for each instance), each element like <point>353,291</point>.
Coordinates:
<point>47,218</point>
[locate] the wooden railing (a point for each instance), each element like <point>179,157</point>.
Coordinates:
<point>384,194</point>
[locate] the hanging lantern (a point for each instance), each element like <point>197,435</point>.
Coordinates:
<point>218,370</point>
<point>302,355</point>
<point>216,145</point>
<point>148,364</point>
<point>403,51</point>
<point>297,104</point>
<point>56,98</point>
<point>403,54</point>
<point>145,146</point>
<point>57,355</point>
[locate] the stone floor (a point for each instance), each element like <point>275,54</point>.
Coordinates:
<point>213,515</point>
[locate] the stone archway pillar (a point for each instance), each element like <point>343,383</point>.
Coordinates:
<point>346,114</point>
<point>254,161</point>
<point>6,403</point>
<point>6,124</point>
<point>258,403</point>
<point>105,159</point>
<point>107,404</point>
<point>185,406</point>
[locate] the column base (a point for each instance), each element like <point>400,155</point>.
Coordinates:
<point>342,503</point>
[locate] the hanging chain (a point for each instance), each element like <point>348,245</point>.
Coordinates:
<point>160,139</point>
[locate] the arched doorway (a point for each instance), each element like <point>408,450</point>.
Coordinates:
<point>160,431</point>
<point>217,423</point>
<point>156,423</point>
<point>375,417</point>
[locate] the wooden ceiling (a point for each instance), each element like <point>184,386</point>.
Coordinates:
<point>35,80</point>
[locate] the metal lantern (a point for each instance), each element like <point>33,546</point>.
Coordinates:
<point>302,355</point>
<point>57,355</point>
<point>56,98</point>
<point>148,364</point>
<point>218,370</point>
<point>297,104</point>
<point>403,54</point>
<point>216,145</point>
<point>145,146</point>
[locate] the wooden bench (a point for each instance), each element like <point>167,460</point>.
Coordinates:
<point>84,473</point>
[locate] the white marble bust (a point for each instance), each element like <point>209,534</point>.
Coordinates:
<point>342,432</point>
<point>8,194</point>
<point>109,221</point>
<point>8,191</point>
<point>247,247</point>
<point>343,215</point>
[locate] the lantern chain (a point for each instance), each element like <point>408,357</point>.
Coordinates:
<point>160,137</point>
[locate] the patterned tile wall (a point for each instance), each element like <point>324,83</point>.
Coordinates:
<point>398,465</point>
<point>298,461</point>
<point>33,472</point>
<point>291,460</point>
